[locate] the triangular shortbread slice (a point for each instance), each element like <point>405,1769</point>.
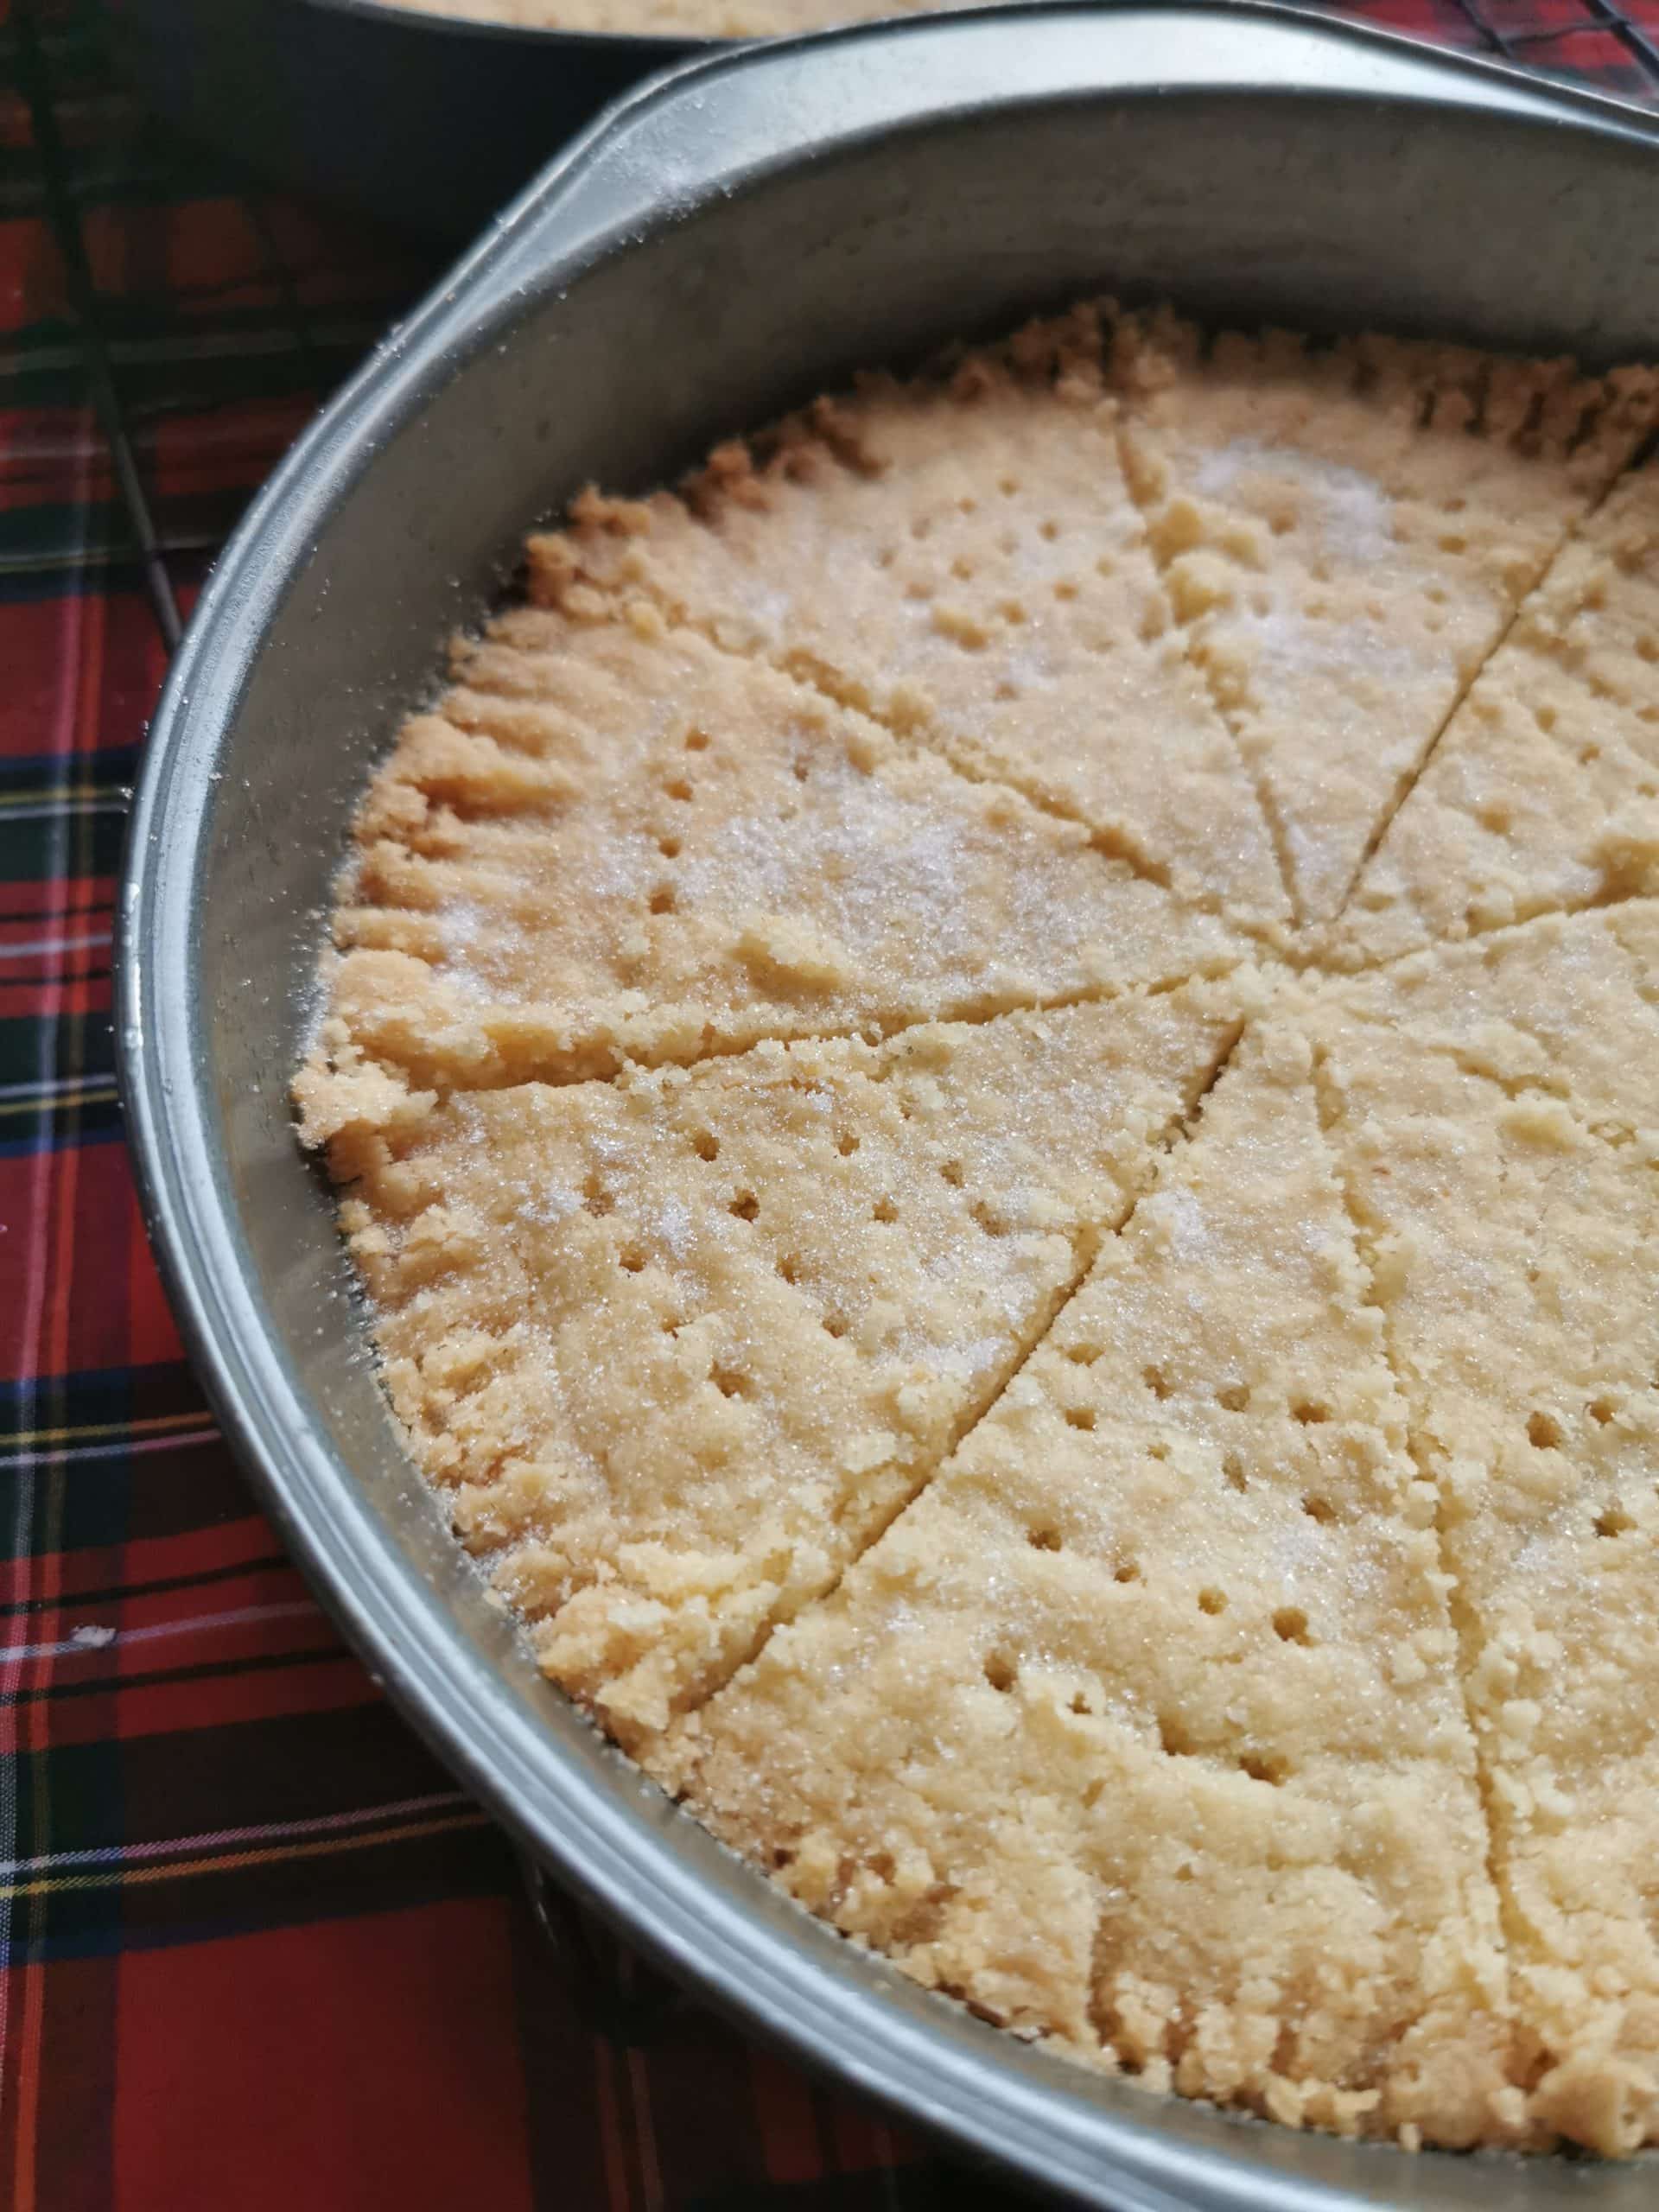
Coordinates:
<point>1565,1006</point>
<point>609,842</point>
<point>1543,792</point>
<point>1346,533</point>
<point>1515,1252</point>
<point>681,1345</point>
<point>960,558</point>
<point>1140,1729</point>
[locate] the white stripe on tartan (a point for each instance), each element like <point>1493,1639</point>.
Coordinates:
<point>220,1839</point>
<point>97,1637</point>
<point>31,945</point>
<point>57,1086</point>
<point>53,1455</point>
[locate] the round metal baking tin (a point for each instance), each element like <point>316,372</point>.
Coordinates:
<point>720,245</point>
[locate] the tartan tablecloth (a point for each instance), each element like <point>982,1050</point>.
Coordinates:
<point>256,1949</point>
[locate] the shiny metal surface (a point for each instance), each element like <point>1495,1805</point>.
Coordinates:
<point>721,243</point>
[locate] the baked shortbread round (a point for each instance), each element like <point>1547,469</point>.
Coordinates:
<point>993,1074</point>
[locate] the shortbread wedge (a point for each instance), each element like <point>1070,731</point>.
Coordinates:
<point>608,842</point>
<point>1347,533</point>
<point>679,1346</point>
<point>1513,1246</point>
<point>960,556</point>
<point>1543,792</point>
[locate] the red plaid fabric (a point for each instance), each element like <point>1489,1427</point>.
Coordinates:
<point>256,1950</point>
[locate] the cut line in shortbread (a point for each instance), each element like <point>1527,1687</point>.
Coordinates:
<point>1512,1232</point>
<point>1347,533</point>
<point>1543,793</point>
